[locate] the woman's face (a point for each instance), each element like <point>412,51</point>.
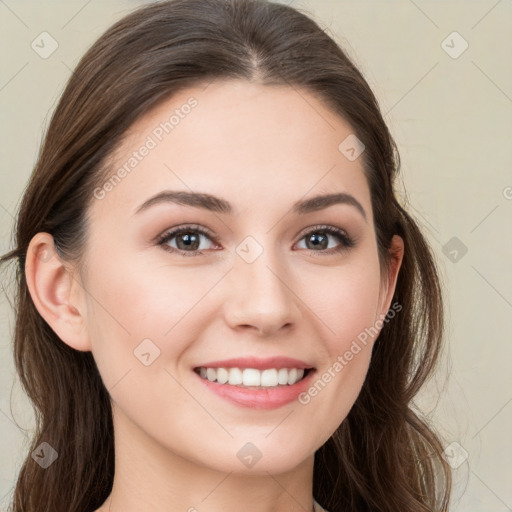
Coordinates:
<point>252,275</point>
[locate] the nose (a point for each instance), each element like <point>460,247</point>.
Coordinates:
<point>260,297</point>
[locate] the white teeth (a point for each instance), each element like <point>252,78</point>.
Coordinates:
<point>235,376</point>
<point>270,377</point>
<point>222,375</point>
<point>251,377</point>
<point>282,376</point>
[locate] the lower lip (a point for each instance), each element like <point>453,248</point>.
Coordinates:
<point>269,398</point>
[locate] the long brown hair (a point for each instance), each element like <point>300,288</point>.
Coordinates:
<point>384,456</point>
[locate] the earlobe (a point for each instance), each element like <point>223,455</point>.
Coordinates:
<point>51,284</point>
<point>396,257</point>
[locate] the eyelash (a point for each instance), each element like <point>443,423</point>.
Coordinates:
<point>346,244</point>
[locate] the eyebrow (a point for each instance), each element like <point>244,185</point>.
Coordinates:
<point>216,204</point>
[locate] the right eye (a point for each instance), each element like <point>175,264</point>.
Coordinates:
<point>188,240</point>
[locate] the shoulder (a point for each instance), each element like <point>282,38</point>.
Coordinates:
<point>318,507</point>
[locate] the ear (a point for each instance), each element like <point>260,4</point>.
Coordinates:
<point>56,292</point>
<point>396,252</point>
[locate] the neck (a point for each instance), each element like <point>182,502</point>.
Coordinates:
<point>149,477</point>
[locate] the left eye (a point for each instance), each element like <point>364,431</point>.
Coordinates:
<point>188,240</point>
<point>318,236</point>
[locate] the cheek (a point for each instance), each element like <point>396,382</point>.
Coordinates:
<point>134,307</point>
<point>353,318</point>
<point>140,325</point>
<point>346,301</point>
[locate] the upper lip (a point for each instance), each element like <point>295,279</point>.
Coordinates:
<point>258,363</point>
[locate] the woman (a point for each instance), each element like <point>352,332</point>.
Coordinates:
<point>221,301</point>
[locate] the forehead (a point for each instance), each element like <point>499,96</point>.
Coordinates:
<point>236,139</point>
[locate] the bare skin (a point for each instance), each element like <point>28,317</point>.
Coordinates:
<point>262,149</point>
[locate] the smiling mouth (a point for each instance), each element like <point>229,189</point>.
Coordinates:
<point>252,378</point>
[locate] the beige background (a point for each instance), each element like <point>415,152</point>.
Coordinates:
<point>452,120</point>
